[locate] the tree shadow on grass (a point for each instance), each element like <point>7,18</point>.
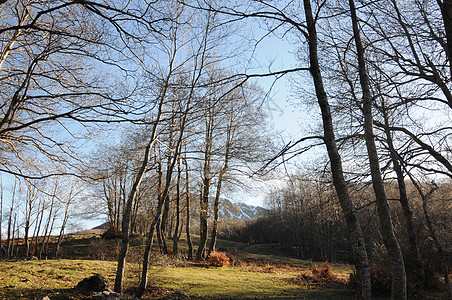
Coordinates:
<point>11,292</point>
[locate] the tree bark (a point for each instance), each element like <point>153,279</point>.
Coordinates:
<point>63,226</point>
<point>417,265</point>
<point>13,241</point>
<point>157,218</point>
<point>397,264</point>
<point>351,216</point>
<point>204,216</point>
<point>147,251</point>
<point>164,225</point>
<point>205,190</point>
<point>216,207</point>
<point>126,219</point>
<point>48,228</point>
<point>432,231</point>
<point>187,227</point>
<point>165,194</point>
<point>176,230</point>
<point>8,243</point>
<point>1,214</point>
<point>40,216</point>
<point>29,206</point>
<point>446,12</point>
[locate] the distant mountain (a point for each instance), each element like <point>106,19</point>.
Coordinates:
<point>103,226</point>
<point>239,211</point>
<point>229,211</point>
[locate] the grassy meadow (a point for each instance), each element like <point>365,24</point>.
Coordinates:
<point>252,274</point>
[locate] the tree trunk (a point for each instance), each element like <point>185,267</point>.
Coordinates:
<point>46,231</point>
<point>204,216</point>
<point>159,234</point>
<point>157,218</point>
<point>126,219</point>
<point>27,242</point>
<point>446,11</point>
<point>40,216</point>
<point>8,238</point>
<point>28,211</point>
<point>8,244</point>
<point>163,224</point>
<point>205,190</point>
<point>13,239</point>
<point>1,214</point>
<point>216,208</point>
<point>13,242</point>
<point>176,231</point>
<point>187,227</point>
<point>127,212</point>
<point>417,265</point>
<point>63,226</point>
<point>147,251</point>
<point>432,231</point>
<point>46,245</point>
<point>351,216</point>
<point>397,265</point>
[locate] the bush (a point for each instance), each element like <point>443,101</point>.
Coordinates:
<point>218,259</point>
<point>112,232</point>
<point>322,272</point>
<point>381,280</point>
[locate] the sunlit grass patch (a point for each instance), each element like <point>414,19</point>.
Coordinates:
<point>236,283</point>
<point>35,279</point>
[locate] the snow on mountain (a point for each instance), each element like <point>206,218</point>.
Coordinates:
<point>239,211</point>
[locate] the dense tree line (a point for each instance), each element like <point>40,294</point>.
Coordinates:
<point>304,218</point>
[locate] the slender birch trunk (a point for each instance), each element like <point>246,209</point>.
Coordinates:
<point>1,213</point>
<point>395,253</point>
<point>356,237</point>
<point>431,228</point>
<point>178,195</point>
<point>417,264</point>
<point>216,206</point>
<point>8,244</point>
<point>188,208</point>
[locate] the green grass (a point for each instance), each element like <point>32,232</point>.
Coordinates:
<point>36,279</point>
<point>259,272</point>
<point>236,283</point>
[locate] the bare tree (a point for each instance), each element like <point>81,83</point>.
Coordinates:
<point>397,264</point>
<point>431,228</point>
<point>172,48</point>
<point>289,16</point>
<point>188,210</point>
<point>74,191</point>
<point>10,217</point>
<point>49,92</point>
<point>178,207</point>
<point>30,201</point>
<point>2,250</point>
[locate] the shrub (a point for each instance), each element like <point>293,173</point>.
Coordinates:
<point>381,280</point>
<point>218,259</point>
<point>322,272</point>
<point>112,232</point>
